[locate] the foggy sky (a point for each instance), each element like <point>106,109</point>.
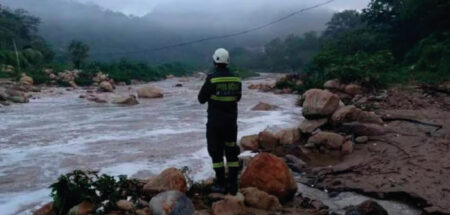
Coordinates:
<point>143,7</point>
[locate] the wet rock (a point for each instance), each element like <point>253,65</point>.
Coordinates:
<point>84,208</point>
<point>332,84</point>
<point>265,87</point>
<point>346,114</point>
<point>105,86</point>
<point>369,117</point>
<point>178,85</point>
<point>288,136</point>
<point>353,89</point>
<point>347,147</point>
<point>267,140</point>
<point>123,100</point>
<point>368,207</point>
<point>261,106</point>
<point>125,205</point>
<point>145,211</point>
<point>26,80</point>
<point>97,98</point>
<point>319,103</point>
<point>364,129</point>
<point>171,203</point>
<point>230,206</point>
<point>308,126</point>
<point>250,143</point>
<point>270,174</point>
<point>260,199</point>
<point>47,209</point>
<point>295,163</point>
<point>150,92</point>
<point>169,179</point>
<point>362,139</point>
<point>18,99</point>
<point>328,139</point>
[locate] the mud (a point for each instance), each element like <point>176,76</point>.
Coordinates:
<point>413,168</point>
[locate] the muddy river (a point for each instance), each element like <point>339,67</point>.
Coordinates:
<point>58,133</point>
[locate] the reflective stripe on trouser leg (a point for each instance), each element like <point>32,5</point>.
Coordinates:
<point>233,164</point>
<point>230,144</point>
<point>218,165</point>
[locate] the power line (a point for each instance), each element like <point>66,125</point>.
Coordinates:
<point>222,36</point>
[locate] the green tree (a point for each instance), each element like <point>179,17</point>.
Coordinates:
<point>343,22</point>
<point>78,52</point>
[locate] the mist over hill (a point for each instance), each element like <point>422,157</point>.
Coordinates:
<point>109,34</point>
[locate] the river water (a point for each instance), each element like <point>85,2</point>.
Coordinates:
<point>56,134</point>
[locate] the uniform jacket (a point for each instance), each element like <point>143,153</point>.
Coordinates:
<point>222,90</point>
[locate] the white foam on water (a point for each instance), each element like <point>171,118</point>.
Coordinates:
<point>13,203</point>
<point>77,129</point>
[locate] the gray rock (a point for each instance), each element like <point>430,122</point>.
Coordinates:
<point>171,203</point>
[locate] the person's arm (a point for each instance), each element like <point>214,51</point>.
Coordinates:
<point>204,94</point>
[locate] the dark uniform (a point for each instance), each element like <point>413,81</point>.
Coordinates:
<point>222,90</point>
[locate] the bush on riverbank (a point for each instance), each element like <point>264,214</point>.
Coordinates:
<point>103,191</point>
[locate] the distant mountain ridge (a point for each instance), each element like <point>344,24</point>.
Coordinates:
<point>109,33</point>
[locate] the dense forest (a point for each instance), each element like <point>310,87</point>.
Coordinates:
<point>390,41</point>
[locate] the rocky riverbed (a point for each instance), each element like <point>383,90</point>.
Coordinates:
<point>58,132</point>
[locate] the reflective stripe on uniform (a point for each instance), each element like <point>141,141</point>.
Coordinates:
<point>233,164</point>
<point>223,98</point>
<point>225,79</point>
<point>218,165</point>
<point>230,144</point>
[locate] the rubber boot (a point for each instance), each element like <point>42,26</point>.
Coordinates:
<point>219,182</point>
<point>232,181</point>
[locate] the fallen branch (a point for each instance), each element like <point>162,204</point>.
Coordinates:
<point>388,118</point>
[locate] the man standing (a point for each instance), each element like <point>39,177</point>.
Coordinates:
<point>222,90</point>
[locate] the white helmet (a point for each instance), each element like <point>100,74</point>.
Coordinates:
<point>221,56</point>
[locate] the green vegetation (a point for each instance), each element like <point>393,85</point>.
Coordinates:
<point>78,52</point>
<point>103,191</point>
<point>387,43</point>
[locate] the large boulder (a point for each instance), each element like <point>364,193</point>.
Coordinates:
<point>169,179</point>
<point>308,126</point>
<point>346,114</point>
<point>261,106</point>
<point>249,143</point>
<point>319,103</point>
<point>26,80</point>
<point>267,140</point>
<point>171,203</point>
<point>288,136</point>
<point>105,86</point>
<point>351,113</point>
<point>150,92</point>
<point>260,199</point>
<point>329,140</point>
<point>271,175</point>
<point>126,100</point>
<point>230,205</point>
<point>369,117</point>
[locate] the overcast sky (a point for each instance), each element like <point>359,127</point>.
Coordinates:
<point>143,7</point>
